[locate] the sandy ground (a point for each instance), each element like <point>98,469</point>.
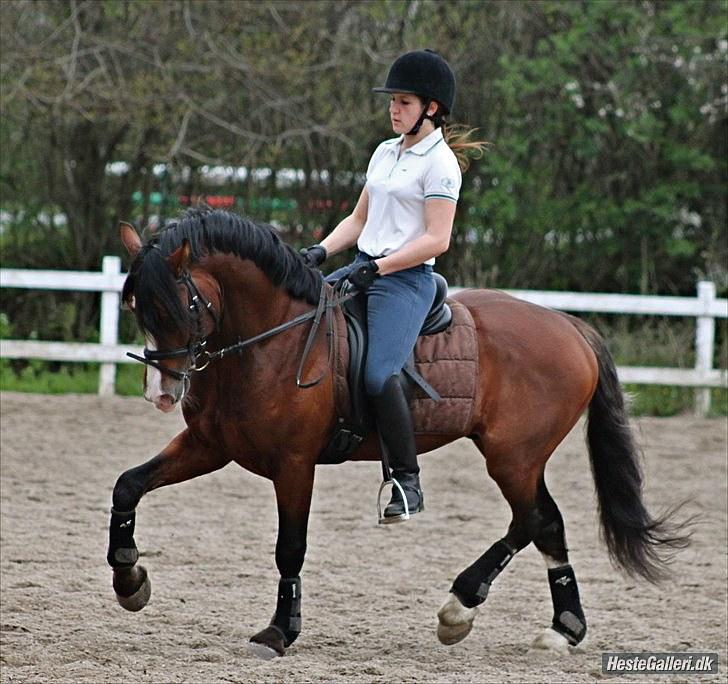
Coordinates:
<point>371,593</point>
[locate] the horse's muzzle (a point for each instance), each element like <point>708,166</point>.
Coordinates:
<point>165,403</point>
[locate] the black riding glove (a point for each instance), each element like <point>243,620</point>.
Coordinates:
<point>314,256</point>
<point>364,275</point>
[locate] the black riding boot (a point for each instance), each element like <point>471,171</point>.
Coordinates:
<point>394,422</point>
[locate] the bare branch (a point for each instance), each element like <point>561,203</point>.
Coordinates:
<point>176,146</point>
<point>73,57</point>
<point>214,118</point>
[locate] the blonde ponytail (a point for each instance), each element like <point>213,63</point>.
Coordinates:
<point>458,138</point>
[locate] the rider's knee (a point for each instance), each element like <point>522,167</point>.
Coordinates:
<point>374,381</point>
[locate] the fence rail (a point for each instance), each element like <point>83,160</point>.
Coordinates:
<point>705,308</point>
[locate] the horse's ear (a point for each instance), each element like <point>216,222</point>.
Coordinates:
<point>130,238</point>
<point>180,258</point>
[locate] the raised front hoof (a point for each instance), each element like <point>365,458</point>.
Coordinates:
<point>132,587</point>
<point>550,640</point>
<point>270,643</point>
<point>455,621</point>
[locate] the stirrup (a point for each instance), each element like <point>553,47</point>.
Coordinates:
<point>388,520</point>
<point>394,518</point>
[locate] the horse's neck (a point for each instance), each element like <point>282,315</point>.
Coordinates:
<point>251,303</point>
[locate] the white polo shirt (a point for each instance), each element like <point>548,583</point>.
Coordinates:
<point>398,186</point>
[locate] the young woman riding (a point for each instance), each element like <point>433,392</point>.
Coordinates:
<point>401,223</point>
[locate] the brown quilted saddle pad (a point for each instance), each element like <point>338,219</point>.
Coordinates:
<point>449,362</point>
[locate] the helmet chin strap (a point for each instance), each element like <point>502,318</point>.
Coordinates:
<point>416,128</point>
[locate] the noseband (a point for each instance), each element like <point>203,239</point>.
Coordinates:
<point>195,349</point>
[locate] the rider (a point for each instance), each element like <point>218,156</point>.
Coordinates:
<point>402,221</point>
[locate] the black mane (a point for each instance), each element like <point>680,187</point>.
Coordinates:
<point>151,281</point>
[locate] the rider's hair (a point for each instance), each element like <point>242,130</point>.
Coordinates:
<point>459,139</point>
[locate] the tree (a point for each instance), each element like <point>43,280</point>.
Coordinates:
<point>608,124</point>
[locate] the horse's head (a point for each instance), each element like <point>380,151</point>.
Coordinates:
<point>177,305</point>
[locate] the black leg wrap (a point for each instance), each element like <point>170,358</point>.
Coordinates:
<point>569,618</point>
<point>472,584</point>
<point>122,549</point>
<point>288,609</point>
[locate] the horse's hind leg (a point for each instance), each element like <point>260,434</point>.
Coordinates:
<point>569,624</point>
<point>518,479</point>
<point>183,459</point>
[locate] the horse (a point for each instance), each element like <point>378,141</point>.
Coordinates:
<point>227,308</point>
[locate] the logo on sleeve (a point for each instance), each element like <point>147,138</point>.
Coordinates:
<point>447,182</point>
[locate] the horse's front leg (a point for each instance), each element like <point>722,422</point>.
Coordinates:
<point>184,458</point>
<point>293,486</point>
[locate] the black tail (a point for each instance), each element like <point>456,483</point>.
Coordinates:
<point>641,544</point>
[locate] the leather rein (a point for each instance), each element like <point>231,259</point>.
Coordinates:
<point>202,358</point>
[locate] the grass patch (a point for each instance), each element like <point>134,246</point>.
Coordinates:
<point>661,400</point>
<point>42,377</point>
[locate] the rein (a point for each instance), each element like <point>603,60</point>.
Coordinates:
<point>200,355</point>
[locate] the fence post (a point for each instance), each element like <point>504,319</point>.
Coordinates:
<point>110,300</point>
<point>704,340</point>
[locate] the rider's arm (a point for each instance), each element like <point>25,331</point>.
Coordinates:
<point>347,232</point>
<point>439,217</point>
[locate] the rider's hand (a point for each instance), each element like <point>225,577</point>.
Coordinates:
<point>314,256</point>
<point>364,275</point>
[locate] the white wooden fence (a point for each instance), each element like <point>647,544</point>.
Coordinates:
<point>705,308</point>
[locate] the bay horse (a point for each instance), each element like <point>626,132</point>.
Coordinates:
<point>213,281</point>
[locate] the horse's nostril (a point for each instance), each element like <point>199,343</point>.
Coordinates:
<point>165,402</point>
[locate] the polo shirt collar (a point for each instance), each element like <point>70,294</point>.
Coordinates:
<point>422,147</point>
<point>427,143</point>
<point>394,141</point>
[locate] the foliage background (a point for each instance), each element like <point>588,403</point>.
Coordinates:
<point>607,169</point>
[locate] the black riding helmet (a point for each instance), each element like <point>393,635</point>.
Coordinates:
<point>423,73</point>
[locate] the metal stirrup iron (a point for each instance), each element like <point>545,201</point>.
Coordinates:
<point>387,479</point>
<point>384,520</point>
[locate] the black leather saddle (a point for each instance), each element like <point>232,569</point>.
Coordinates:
<point>351,432</point>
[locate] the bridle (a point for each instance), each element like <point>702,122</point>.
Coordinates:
<point>329,298</point>
<point>195,349</point>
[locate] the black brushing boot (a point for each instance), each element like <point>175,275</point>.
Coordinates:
<point>394,422</point>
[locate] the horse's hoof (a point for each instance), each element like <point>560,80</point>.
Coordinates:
<point>262,651</point>
<point>270,643</point>
<point>551,640</point>
<point>136,581</point>
<point>455,621</point>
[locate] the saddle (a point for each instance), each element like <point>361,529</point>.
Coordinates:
<point>355,418</point>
